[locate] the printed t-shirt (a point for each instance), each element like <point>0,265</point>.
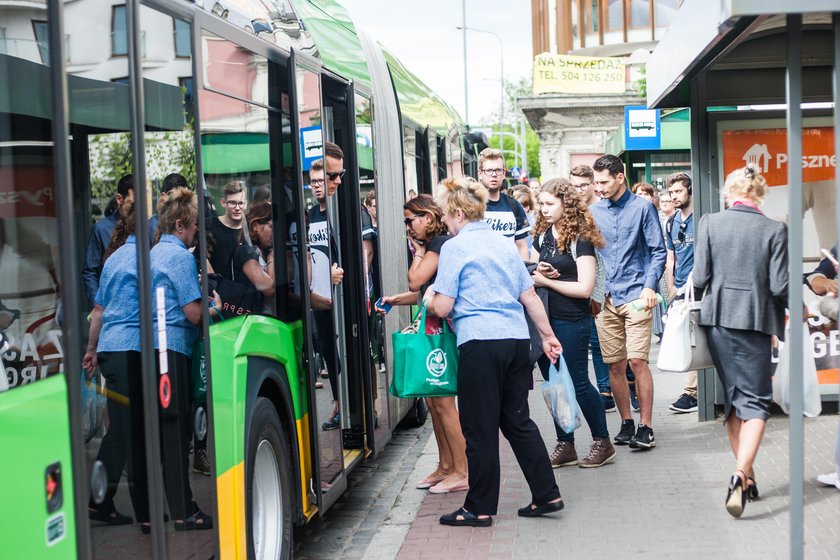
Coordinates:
<point>323,251</point>
<point>560,306</point>
<point>508,217</point>
<point>683,249</point>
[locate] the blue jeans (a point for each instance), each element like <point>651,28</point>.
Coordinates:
<point>574,336</point>
<point>602,370</point>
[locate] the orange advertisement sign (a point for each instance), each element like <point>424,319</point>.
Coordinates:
<point>767,149</point>
<point>26,191</point>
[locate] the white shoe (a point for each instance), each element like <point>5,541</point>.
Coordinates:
<point>830,479</point>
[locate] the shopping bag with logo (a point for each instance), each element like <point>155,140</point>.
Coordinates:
<point>781,378</point>
<point>425,365</point>
<point>559,395</point>
<point>684,346</point>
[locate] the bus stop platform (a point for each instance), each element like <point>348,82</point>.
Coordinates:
<point>664,503</point>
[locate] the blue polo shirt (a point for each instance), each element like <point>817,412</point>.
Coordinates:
<point>174,268</point>
<point>118,294</point>
<point>681,242</point>
<point>634,253</point>
<point>485,275</point>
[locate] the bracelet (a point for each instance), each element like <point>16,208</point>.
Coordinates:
<point>418,256</point>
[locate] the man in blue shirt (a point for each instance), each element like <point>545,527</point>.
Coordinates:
<point>634,259</point>
<point>679,239</point>
<point>100,238</point>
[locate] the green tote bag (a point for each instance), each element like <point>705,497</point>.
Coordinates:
<point>425,365</point>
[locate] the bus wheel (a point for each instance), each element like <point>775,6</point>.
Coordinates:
<point>268,485</point>
<point>416,416</point>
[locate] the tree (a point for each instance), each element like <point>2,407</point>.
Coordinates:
<point>513,116</point>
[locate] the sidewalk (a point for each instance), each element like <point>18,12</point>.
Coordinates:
<point>662,503</point>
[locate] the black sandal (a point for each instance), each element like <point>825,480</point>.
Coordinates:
<point>468,519</point>
<point>199,521</point>
<point>533,510</point>
<point>112,517</point>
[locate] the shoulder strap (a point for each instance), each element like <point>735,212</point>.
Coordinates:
<point>669,225</point>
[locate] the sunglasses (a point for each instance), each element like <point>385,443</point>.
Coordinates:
<point>337,175</point>
<point>681,232</point>
<point>408,221</point>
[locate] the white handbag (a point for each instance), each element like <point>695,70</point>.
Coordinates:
<point>684,346</point>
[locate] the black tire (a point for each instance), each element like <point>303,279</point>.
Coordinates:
<point>417,416</point>
<point>266,436</point>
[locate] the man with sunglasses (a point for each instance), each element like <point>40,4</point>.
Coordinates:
<point>504,213</point>
<point>679,240</point>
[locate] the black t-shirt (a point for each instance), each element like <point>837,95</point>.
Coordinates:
<point>225,241</point>
<point>241,255</point>
<point>562,307</point>
<point>433,245</point>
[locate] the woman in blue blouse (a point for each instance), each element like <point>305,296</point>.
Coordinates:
<point>483,283</point>
<point>174,270</point>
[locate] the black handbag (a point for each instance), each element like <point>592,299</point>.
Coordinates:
<point>237,298</point>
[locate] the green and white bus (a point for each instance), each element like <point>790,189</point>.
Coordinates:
<point>217,91</point>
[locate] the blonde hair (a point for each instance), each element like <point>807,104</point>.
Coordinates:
<point>177,204</point>
<point>523,194</point>
<point>576,221</point>
<point>746,182</point>
<point>490,153</point>
<point>468,195</point>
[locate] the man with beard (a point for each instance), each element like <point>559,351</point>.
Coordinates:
<point>679,240</point>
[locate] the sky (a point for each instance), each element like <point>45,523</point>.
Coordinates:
<point>423,35</point>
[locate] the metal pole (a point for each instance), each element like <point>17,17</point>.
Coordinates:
<point>795,233</point>
<point>836,83</point>
<point>466,80</point>
<point>501,92</point>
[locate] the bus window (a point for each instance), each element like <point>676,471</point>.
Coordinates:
<point>412,183</point>
<point>175,264</point>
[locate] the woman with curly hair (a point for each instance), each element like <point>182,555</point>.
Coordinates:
<point>565,239</point>
<point>427,234</point>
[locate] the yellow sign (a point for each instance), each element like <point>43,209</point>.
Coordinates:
<point>565,73</point>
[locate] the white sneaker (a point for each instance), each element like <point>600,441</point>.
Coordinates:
<point>830,479</point>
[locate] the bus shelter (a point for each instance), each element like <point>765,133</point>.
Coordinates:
<point>761,81</point>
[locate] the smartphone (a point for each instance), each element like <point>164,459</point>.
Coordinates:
<point>545,266</point>
<point>827,254</point>
<point>386,307</point>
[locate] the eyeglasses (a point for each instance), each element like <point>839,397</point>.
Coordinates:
<point>582,186</point>
<point>316,182</point>
<point>493,172</point>
<point>336,175</point>
<point>235,203</point>
<point>408,221</point>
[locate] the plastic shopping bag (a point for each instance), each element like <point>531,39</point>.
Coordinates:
<point>559,395</point>
<point>781,379</point>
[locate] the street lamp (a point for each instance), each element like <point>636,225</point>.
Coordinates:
<point>501,77</point>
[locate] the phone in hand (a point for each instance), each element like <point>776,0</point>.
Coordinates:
<point>544,267</point>
<point>386,307</point>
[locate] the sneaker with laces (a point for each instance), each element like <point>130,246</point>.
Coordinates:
<point>634,402</point>
<point>643,438</point>
<point>564,455</point>
<point>686,403</point>
<point>609,402</point>
<point>201,463</point>
<point>333,423</point>
<point>628,428</point>
<point>600,453</point>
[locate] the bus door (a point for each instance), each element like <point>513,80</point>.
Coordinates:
<point>37,472</point>
<point>351,293</point>
<point>378,422</point>
<point>327,364</point>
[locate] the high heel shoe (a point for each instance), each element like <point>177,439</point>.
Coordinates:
<point>752,489</point>
<point>736,496</point>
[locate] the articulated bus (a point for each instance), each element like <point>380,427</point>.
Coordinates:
<point>216,91</point>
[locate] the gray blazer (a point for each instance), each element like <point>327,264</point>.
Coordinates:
<point>740,260</point>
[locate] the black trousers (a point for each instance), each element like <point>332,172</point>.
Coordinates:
<point>493,383</point>
<point>176,433</point>
<point>124,440</point>
<point>327,343</point>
